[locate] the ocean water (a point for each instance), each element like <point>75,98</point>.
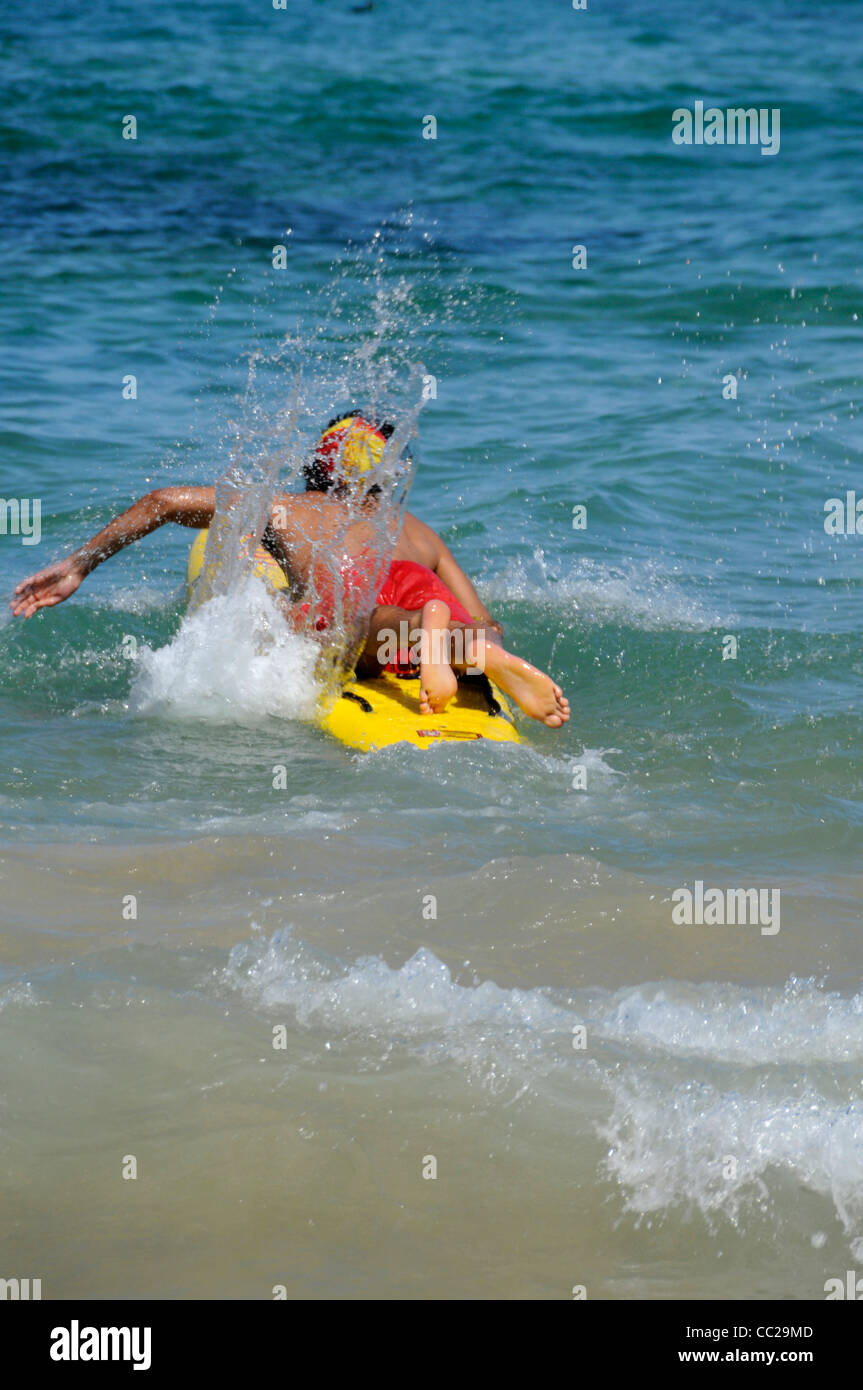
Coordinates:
<point>462,962</point>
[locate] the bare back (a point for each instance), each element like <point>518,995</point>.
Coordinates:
<point>418,542</point>
<point>307,525</point>
<point>312,530</point>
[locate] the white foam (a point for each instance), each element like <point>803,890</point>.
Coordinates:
<point>695,1146</point>
<point>456,762</point>
<point>725,1088</point>
<point>640,595</point>
<point>725,1023</point>
<point>414,1000</point>
<point>695,1074</point>
<point>491,1031</point>
<point>234,658</point>
<point>135,599</point>
<point>18,995</point>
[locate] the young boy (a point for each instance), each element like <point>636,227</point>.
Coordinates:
<point>422,573</point>
<point>426,593</point>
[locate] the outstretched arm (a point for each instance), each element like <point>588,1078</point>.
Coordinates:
<point>187,506</point>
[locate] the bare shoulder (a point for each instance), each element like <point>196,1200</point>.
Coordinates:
<point>424,543</point>
<point>304,509</point>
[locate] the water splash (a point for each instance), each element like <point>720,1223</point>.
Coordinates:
<point>234,659</point>
<point>694,1075</point>
<point>244,491</point>
<point>337,362</point>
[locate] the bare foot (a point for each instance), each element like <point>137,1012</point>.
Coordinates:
<point>534,692</point>
<point>438,682</point>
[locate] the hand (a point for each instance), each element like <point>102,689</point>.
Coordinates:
<point>46,588</point>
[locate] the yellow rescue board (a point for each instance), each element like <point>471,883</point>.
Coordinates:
<point>375,713</point>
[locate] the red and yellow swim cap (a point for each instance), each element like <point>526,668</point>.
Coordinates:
<point>349,446</point>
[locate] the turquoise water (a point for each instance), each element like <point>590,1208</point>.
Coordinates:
<point>555,387</point>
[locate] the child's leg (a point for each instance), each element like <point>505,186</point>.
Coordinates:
<point>425,633</point>
<point>534,692</point>
<point>438,681</point>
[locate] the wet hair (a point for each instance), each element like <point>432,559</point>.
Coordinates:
<point>319,473</point>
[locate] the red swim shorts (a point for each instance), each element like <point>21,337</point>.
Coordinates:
<point>409,585</point>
